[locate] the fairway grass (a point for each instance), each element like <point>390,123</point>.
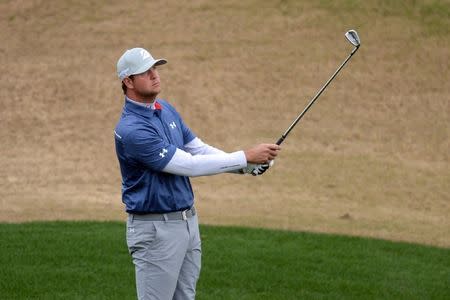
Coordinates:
<point>89,260</point>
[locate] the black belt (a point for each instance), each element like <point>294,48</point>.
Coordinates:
<point>170,216</point>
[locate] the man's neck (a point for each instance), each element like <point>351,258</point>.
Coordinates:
<point>145,104</point>
<point>144,100</point>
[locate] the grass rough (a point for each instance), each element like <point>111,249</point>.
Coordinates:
<point>89,260</point>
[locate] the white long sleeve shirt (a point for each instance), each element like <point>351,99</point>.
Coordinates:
<point>200,159</point>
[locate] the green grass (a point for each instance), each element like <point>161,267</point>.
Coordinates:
<point>89,260</point>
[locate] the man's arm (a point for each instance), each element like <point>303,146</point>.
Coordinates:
<point>198,147</point>
<point>216,161</point>
<point>186,164</point>
<point>148,148</point>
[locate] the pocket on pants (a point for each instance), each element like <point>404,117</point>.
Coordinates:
<point>140,235</point>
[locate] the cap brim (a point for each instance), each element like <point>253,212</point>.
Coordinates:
<point>149,64</point>
<point>161,61</point>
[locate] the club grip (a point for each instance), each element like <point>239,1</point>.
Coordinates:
<point>280,140</point>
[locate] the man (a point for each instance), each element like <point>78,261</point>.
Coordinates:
<point>157,153</point>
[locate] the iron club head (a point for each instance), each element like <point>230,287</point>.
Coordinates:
<point>352,37</point>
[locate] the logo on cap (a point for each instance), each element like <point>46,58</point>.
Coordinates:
<point>144,54</point>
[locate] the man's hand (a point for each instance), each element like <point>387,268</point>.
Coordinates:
<point>262,153</point>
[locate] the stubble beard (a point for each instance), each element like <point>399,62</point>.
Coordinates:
<point>149,96</point>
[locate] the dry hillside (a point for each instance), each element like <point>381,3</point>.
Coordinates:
<point>371,157</point>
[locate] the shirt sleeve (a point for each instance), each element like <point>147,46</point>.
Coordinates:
<point>185,164</point>
<point>188,135</point>
<point>148,148</point>
<point>198,147</point>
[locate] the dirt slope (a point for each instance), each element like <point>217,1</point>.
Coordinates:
<point>371,157</point>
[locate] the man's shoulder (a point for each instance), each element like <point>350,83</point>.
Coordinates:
<point>130,125</point>
<point>128,120</point>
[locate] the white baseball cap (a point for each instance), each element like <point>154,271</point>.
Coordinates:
<point>136,61</point>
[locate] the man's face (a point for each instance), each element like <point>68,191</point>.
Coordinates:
<point>146,85</point>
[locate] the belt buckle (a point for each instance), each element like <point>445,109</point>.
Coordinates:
<point>183,214</point>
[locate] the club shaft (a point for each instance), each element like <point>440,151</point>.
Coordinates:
<point>281,139</point>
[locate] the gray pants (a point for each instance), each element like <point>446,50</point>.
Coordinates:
<point>167,257</point>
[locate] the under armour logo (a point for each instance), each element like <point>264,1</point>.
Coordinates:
<point>173,125</point>
<point>144,54</point>
<point>163,153</point>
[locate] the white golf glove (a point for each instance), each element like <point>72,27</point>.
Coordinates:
<point>256,169</point>
<point>260,169</point>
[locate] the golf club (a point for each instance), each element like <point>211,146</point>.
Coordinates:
<point>353,38</point>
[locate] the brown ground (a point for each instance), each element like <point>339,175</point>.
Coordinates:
<point>371,158</point>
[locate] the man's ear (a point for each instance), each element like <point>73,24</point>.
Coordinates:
<point>128,82</point>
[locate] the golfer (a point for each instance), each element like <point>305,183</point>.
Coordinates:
<point>157,153</point>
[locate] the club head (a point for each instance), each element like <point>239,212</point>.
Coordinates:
<point>352,37</point>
